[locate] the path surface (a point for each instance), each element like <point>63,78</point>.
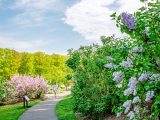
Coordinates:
<point>44,110</point>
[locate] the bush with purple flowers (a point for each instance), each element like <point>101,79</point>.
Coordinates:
<point>123,71</point>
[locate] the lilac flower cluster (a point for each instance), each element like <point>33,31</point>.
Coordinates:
<point>136,99</point>
<point>110,58</point>
<point>137,49</point>
<point>128,20</point>
<point>131,115</point>
<point>144,76</point>
<point>118,76</point>
<point>127,64</point>
<point>131,87</point>
<point>149,95</point>
<point>110,65</point>
<point>136,109</point>
<point>127,106</point>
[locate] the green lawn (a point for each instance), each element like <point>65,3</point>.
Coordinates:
<point>64,109</point>
<point>13,112</point>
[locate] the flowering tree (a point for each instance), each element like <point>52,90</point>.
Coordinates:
<point>20,86</point>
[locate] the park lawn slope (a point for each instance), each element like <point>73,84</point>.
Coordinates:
<point>64,109</point>
<point>13,112</point>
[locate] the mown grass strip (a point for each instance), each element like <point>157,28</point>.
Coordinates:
<point>13,112</point>
<point>64,109</point>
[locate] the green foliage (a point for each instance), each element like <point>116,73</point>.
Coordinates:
<point>64,109</point>
<point>100,89</point>
<point>94,91</point>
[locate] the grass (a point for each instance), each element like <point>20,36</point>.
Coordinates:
<point>13,112</point>
<point>64,109</point>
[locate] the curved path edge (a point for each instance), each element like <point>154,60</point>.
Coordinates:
<point>44,110</point>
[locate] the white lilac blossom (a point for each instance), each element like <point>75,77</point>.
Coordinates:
<point>127,106</point>
<point>110,65</point>
<point>128,20</point>
<point>127,103</point>
<point>110,59</point>
<point>136,99</point>
<point>137,49</point>
<point>149,95</point>
<point>132,83</point>
<point>127,64</point>
<point>136,109</point>
<point>127,110</point>
<point>119,114</point>
<point>131,115</point>
<point>144,76</point>
<point>128,91</point>
<point>117,76</point>
<point>132,86</point>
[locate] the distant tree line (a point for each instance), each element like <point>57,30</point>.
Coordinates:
<point>51,67</point>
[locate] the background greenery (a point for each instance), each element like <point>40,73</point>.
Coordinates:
<point>51,67</point>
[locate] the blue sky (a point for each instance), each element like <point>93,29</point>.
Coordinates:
<point>54,26</point>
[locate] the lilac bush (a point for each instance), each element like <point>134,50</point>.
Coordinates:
<point>139,91</point>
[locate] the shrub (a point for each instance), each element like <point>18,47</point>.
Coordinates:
<point>122,75</point>
<point>94,92</point>
<point>140,73</point>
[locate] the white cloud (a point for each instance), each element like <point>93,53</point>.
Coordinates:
<point>91,18</point>
<point>33,11</point>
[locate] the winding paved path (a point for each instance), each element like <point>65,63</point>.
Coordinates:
<point>43,110</point>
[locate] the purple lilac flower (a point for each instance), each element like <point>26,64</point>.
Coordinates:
<point>127,106</point>
<point>110,65</point>
<point>128,20</point>
<point>136,109</point>
<point>136,99</point>
<point>149,95</point>
<point>132,86</point>
<point>137,49</point>
<point>144,76</point>
<point>131,115</point>
<point>117,76</point>
<point>127,64</point>
<point>128,91</point>
<point>132,83</point>
<point>110,58</point>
